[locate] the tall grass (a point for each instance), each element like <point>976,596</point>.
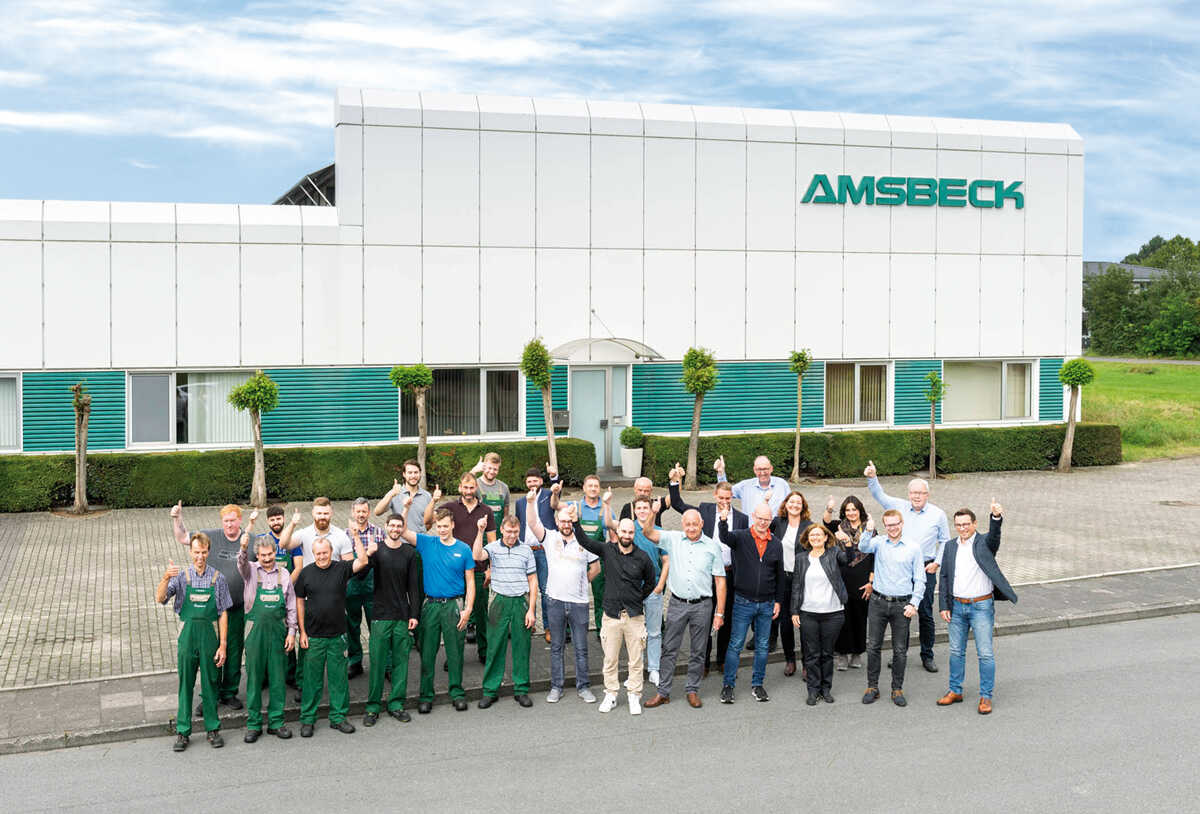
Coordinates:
<point>1157,407</point>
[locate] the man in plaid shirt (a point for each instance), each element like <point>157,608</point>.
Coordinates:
<point>361,590</point>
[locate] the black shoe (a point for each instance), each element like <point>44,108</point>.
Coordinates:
<point>251,735</point>
<point>299,697</point>
<point>727,694</point>
<point>470,634</point>
<point>460,705</point>
<point>749,645</point>
<point>929,666</point>
<point>486,701</point>
<point>354,671</point>
<point>181,743</point>
<point>760,694</point>
<point>827,697</point>
<point>370,718</point>
<point>523,700</point>
<point>814,697</point>
<point>445,666</point>
<point>215,739</point>
<point>482,657</point>
<point>199,710</point>
<point>870,696</point>
<point>233,703</point>
<point>293,684</point>
<point>424,708</point>
<point>344,727</point>
<point>283,733</point>
<point>898,698</point>
<point>400,715</point>
<point>889,664</point>
<point>306,730</point>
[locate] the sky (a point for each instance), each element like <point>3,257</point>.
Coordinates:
<point>233,102</point>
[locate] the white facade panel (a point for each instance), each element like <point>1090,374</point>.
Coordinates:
<point>1001,293</point>
<point>819,305</point>
<point>958,226</point>
<point>562,295</point>
<point>390,108</point>
<point>391,185</point>
<point>912,306</point>
<point>143,222</point>
<point>616,173</point>
<point>334,315</point>
<point>616,118</point>
<point>207,223</point>
<point>264,223</point>
<point>914,228</point>
<point>21,281</point>
<point>769,125</point>
<point>720,123</point>
<point>451,306</point>
<point>1045,305</point>
<point>721,303</point>
<point>143,304</point>
<point>348,106</point>
<point>670,302</point>
<point>348,173</point>
<point>1075,204</point>
<point>866,228</point>
<point>818,127</point>
<point>207,306</point>
<point>271,278</point>
<point>319,224</point>
<point>771,196</point>
<point>1073,326</point>
<point>720,194</point>
<point>864,290</point>
<point>76,220</point>
<point>506,303</point>
<point>505,113</point>
<point>912,131</point>
<point>561,116</point>
<point>1046,204</point>
<point>670,193</point>
<point>818,226</point>
<point>617,293</point>
<point>770,304</point>
<point>77,293</point>
<point>1002,230</point>
<point>506,189</point>
<point>455,110</point>
<point>391,326</point>
<point>957,309</point>
<point>563,190</point>
<point>450,187</point>
<point>20,220</point>
<point>866,130</point>
<point>669,121</point>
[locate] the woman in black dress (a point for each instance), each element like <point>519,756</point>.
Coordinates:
<point>857,574</point>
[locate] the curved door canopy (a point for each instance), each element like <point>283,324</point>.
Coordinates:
<point>605,349</point>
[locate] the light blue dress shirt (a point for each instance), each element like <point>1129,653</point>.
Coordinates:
<point>693,564</point>
<point>899,567</point>
<point>751,492</point>
<point>928,528</point>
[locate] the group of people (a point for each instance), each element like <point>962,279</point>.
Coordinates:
<point>480,567</point>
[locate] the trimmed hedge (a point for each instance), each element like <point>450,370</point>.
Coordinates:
<point>895,452</point>
<point>127,479</point>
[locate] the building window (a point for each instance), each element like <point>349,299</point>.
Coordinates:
<point>150,408</point>
<point>10,413</point>
<point>987,391</point>
<point>186,408</point>
<point>855,393</point>
<point>466,401</point>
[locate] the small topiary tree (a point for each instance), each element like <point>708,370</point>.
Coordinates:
<point>82,402</point>
<point>934,393</point>
<point>800,361</point>
<point>416,381</point>
<point>632,437</point>
<point>259,394</point>
<point>699,377</point>
<point>1074,374</point>
<point>536,366</point>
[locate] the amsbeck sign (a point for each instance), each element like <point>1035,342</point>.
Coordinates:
<point>982,193</point>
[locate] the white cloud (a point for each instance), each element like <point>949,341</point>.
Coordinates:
<point>141,165</point>
<point>70,122</point>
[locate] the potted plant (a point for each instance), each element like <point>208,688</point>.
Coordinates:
<point>631,451</point>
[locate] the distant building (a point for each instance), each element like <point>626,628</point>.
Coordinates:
<point>1142,277</point>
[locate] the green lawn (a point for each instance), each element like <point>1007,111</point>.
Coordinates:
<point>1157,407</point>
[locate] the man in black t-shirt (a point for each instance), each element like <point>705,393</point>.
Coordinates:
<point>321,612</point>
<point>396,608</point>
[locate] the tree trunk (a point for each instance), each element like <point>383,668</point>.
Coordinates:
<point>689,481</point>
<point>258,488</point>
<point>1064,460</point>
<point>83,406</point>
<point>548,412</point>
<point>932,441</point>
<point>422,432</point>
<point>799,417</point>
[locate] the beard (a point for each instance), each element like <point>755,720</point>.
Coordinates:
<point>321,525</point>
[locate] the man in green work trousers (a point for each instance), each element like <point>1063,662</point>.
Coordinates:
<point>510,609</point>
<point>321,612</point>
<point>270,603</point>
<point>466,513</point>
<point>447,568</point>
<point>361,591</point>
<point>397,603</point>
<point>201,599</point>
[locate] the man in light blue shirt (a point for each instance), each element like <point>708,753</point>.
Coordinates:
<point>763,486</point>
<point>898,582</point>
<point>925,525</point>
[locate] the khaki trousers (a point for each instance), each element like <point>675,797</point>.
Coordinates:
<point>630,630</point>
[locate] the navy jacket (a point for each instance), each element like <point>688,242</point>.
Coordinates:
<point>545,513</point>
<point>708,514</point>
<point>759,579</point>
<point>985,549</point>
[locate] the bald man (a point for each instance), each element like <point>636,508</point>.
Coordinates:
<point>763,487</point>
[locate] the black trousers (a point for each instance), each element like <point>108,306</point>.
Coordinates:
<point>818,632</point>
<point>853,638</point>
<point>726,628</point>
<point>925,616</point>
<point>880,614</point>
<point>781,628</point>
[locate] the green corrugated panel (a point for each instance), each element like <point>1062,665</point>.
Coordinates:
<point>332,405</point>
<point>813,389</point>
<point>48,417</point>
<point>911,405</point>
<point>1050,390</point>
<point>535,422</point>
<point>748,396</point>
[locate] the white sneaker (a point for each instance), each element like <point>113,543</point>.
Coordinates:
<point>586,696</point>
<point>554,696</point>
<point>626,682</point>
<point>654,677</point>
<point>609,702</point>
<point>840,662</point>
<point>635,705</point>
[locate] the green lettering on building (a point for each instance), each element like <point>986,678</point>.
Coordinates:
<point>819,182</point>
<point>983,193</point>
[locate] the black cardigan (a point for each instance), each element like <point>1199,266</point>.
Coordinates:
<point>831,558</point>
<point>758,579</point>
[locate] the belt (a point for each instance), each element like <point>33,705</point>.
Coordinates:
<point>886,598</point>
<point>929,560</point>
<point>442,598</point>
<point>688,601</point>
<point>973,601</point>
<point>536,547</point>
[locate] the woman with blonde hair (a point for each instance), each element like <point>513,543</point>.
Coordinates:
<point>818,602</point>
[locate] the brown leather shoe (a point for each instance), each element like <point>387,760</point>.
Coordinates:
<point>950,698</point>
<point>790,669</point>
<point>985,706</point>
<point>547,637</point>
<point>694,700</point>
<point>657,701</point>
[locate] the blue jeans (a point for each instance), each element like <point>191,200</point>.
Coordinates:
<point>979,617</point>
<point>559,615</point>
<point>653,605</point>
<point>743,612</point>
<point>543,574</point>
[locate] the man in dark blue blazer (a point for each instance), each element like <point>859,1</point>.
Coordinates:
<point>969,585</point>
<point>534,482</point>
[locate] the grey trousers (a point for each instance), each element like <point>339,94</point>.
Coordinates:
<point>694,618</point>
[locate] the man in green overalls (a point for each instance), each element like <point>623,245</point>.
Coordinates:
<point>270,603</point>
<point>201,599</point>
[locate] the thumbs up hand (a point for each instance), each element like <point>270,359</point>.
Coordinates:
<point>177,510</point>
<point>172,570</point>
<point>869,472</point>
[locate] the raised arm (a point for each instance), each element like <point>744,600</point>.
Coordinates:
<point>676,499</point>
<point>587,543</point>
<point>427,517</point>
<point>181,535</point>
<point>993,535</point>
<point>285,539</point>
<point>384,502</point>
<point>160,593</point>
<point>362,560</point>
<point>881,497</point>
<point>532,521</point>
<point>477,547</point>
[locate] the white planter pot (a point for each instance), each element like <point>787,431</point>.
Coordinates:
<point>631,462</point>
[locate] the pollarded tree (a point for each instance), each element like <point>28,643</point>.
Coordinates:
<point>1074,374</point>
<point>416,381</point>
<point>82,402</point>
<point>536,366</point>
<point>699,377</point>
<point>259,394</point>
<point>935,392</point>
<point>800,360</point>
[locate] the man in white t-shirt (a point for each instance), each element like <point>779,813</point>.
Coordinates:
<point>300,542</point>
<point>570,567</point>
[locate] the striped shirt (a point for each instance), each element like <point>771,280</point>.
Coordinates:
<point>511,568</point>
<point>211,578</point>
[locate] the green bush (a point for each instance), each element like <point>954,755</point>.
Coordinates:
<point>125,479</point>
<point>895,452</point>
<point>632,437</point>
